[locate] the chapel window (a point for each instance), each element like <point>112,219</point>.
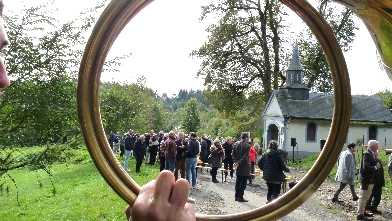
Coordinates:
<point>372,133</point>
<point>311,132</point>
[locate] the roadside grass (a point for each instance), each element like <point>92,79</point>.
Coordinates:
<point>335,211</point>
<point>73,191</point>
<point>307,163</point>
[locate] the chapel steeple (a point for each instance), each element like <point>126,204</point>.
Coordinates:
<point>294,73</point>
<point>294,88</point>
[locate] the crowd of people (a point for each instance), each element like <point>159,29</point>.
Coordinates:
<point>233,155</point>
<point>178,153</point>
<point>370,176</point>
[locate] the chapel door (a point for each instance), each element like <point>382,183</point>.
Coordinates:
<point>272,133</point>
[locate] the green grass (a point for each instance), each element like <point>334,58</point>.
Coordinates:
<point>305,163</point>
<point>81,193</point>
<point>335,211</point>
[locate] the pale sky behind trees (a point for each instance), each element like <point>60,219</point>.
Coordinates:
<point>162,36</point>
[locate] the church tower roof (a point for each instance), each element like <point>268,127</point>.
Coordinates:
<point>294,87</point>
<point>295,64</point>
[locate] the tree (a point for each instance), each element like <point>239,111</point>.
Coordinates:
<point>38,107</point>
<point>243,52</point>
<point>244,57</point>
<point>131,106</point>
<point>191,120</point>
<point>42,60</point>
<point>385,96</point>
<point>157,117</point>
<point>248,47</point>
<point>317,75</point>
<point>175,118</point>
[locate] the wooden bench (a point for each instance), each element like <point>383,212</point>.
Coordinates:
<point>284,184</point>
<point>223,171</point>
<point>198,161</point>
<point>200,165</point>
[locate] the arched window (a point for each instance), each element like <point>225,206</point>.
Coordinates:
<point>372,133</point>
<point>311,132</point>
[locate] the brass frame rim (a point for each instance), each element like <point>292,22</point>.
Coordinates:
<point>112,21</point>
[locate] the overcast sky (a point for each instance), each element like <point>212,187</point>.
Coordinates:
<point>163,34</point>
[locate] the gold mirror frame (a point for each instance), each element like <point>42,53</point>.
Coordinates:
<point>112,21</point>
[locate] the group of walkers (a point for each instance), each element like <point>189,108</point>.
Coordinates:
<point>370,176</point>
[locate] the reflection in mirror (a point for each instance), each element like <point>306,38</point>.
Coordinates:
<point>377,17</point>
<point>149,115</point>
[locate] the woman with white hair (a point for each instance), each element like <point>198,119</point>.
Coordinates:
<point>217,154</point>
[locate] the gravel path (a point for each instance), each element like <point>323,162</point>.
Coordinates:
<point>218,199</point>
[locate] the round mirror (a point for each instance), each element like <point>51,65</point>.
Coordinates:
<point>112,21</point>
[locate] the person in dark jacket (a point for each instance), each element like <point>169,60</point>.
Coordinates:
<point>208,143</point>
<point>217,155</point>
<point>139,151</point>
<point>203,150</point>
<point>367,173</point>
<point>129,144</point>
<point>228,161</point>
<point>122,145</point>
<point>191,154</point>
<point>241,162</point>
<point>272,165</point>
<point>111,139</point>
<point>379,183</point>
<point>182,145</point>
<point>154,145</point>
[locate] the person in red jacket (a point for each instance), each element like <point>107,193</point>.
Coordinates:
<point>252,159</point>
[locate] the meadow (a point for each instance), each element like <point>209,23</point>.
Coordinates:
<point>73,191</point>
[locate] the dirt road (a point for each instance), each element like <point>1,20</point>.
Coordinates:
<point>218,199</point>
